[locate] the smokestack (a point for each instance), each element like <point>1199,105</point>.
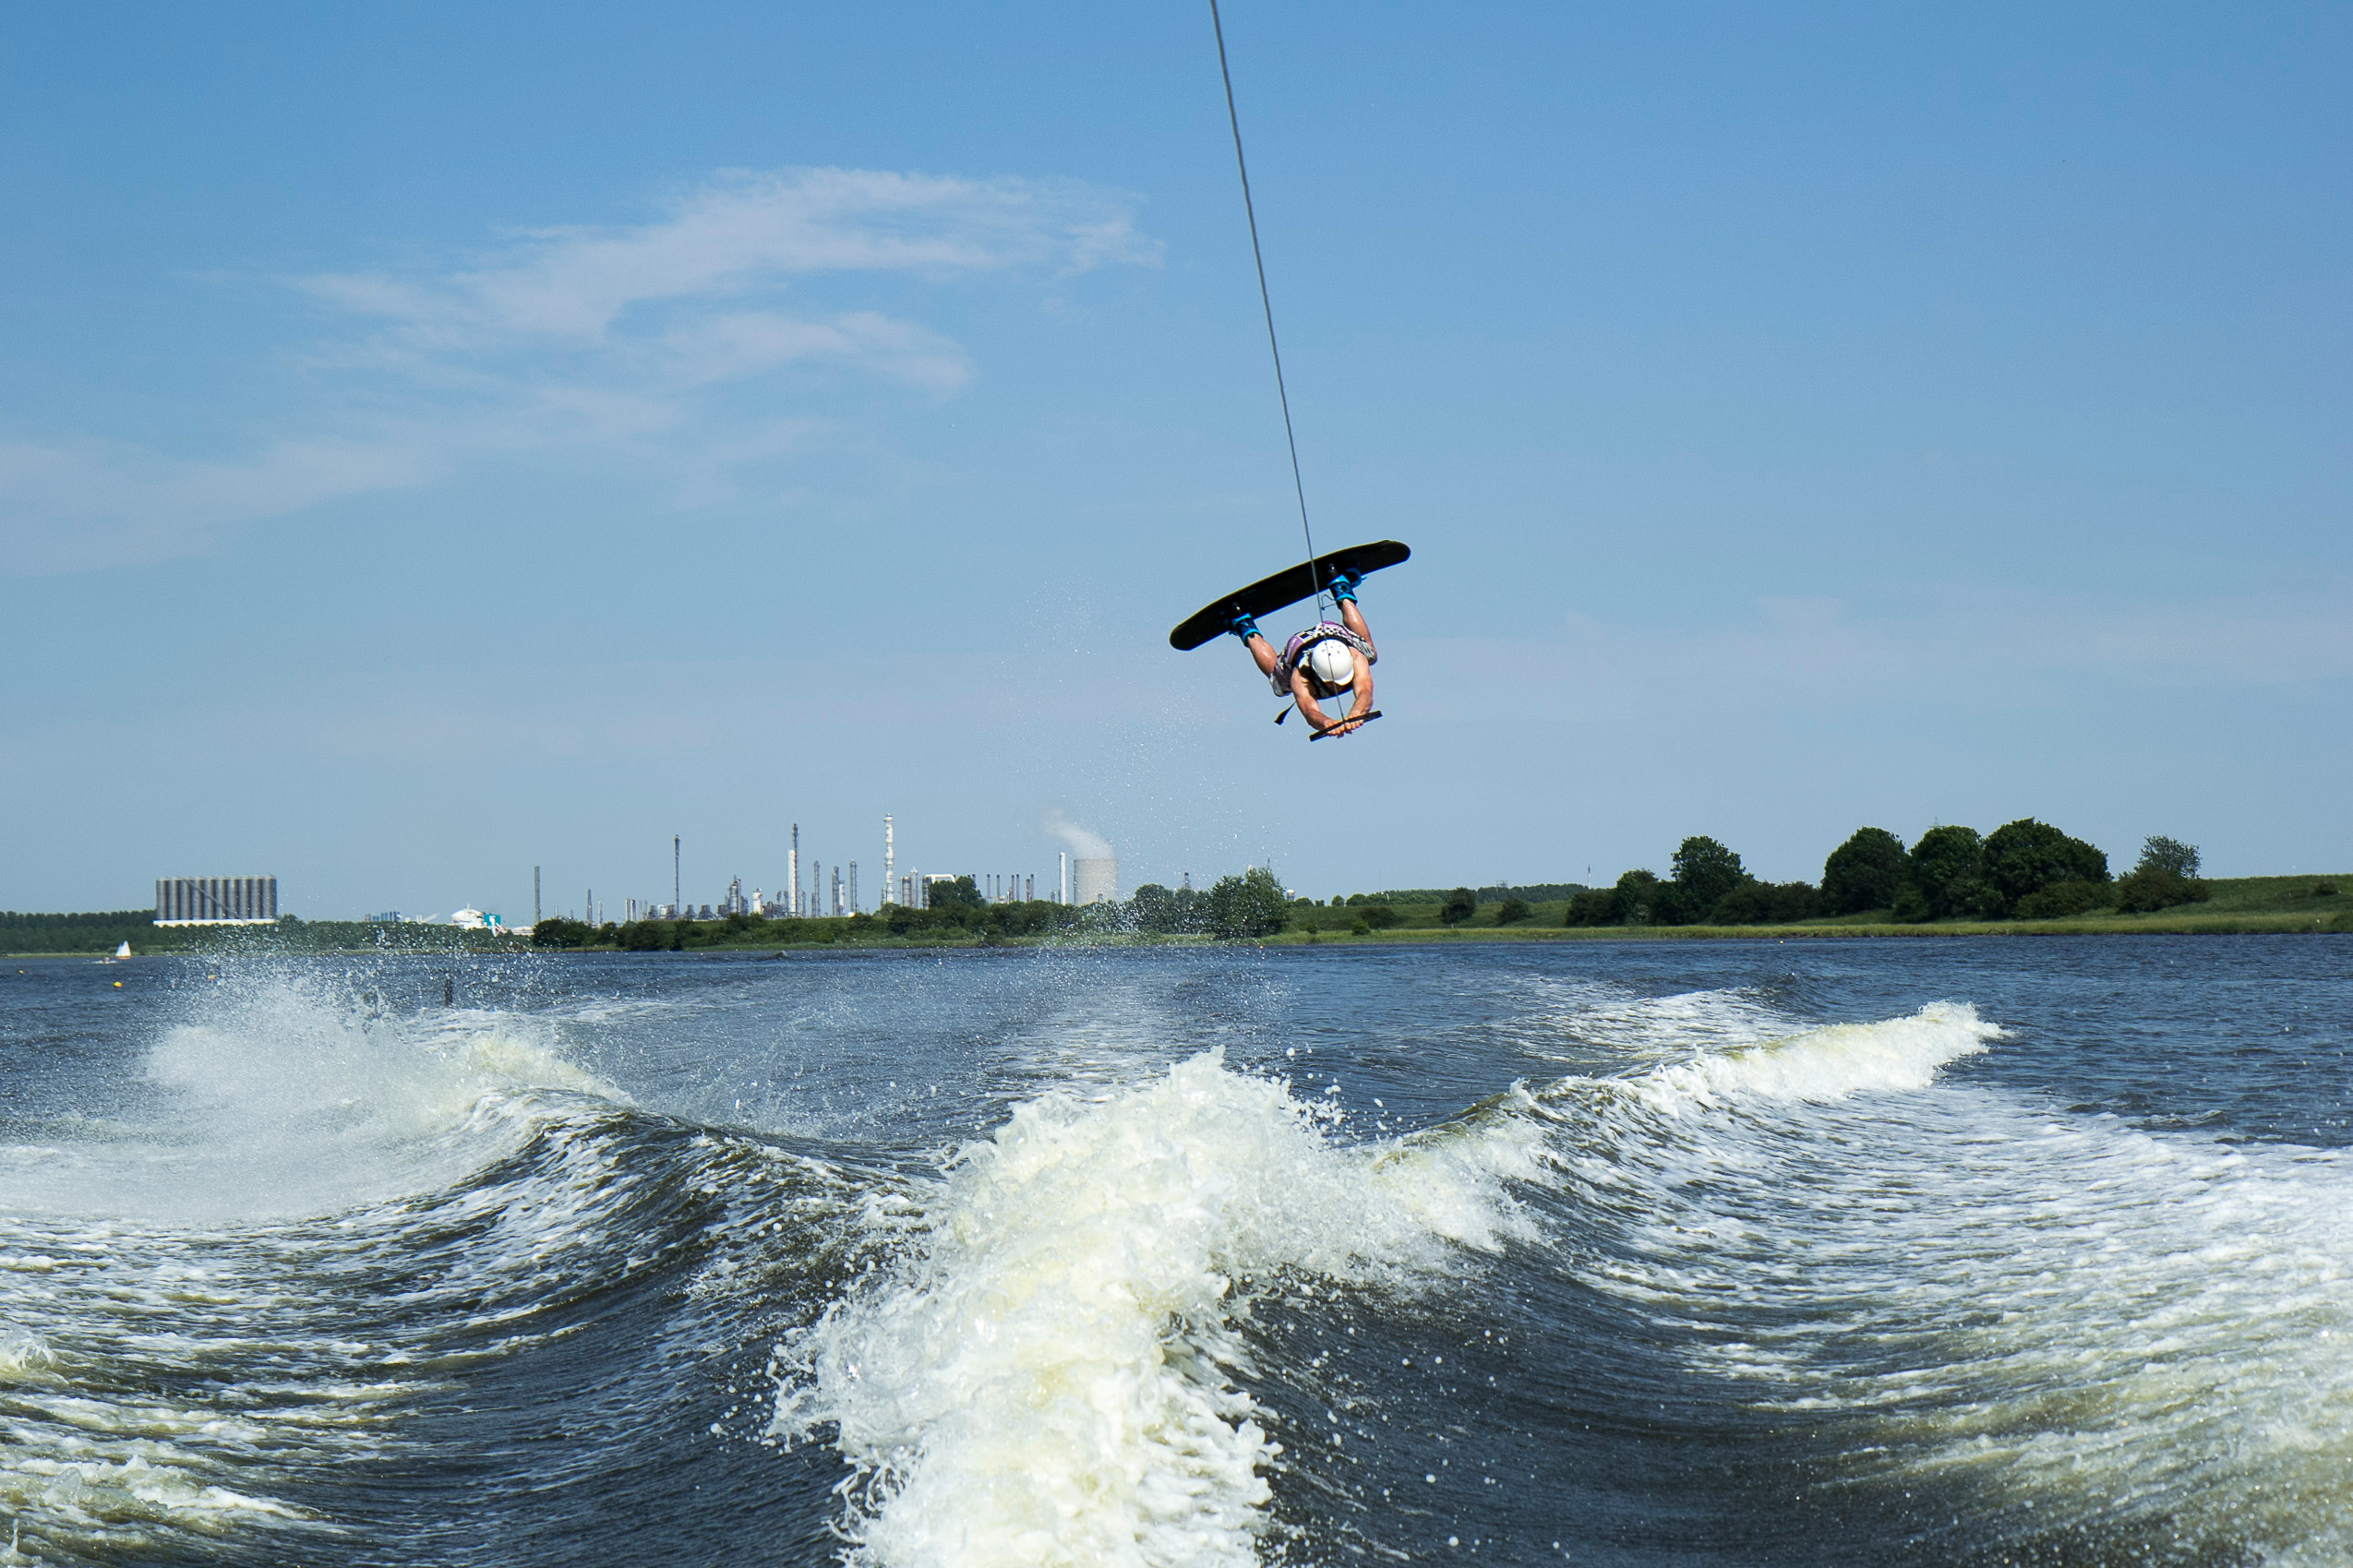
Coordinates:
<point>534,895</point>
<point>792,881</point>
<point>677,899</point>
<point>888,853</point>
<point>1061,893</point>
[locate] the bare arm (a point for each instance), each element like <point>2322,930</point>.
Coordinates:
<point>1309,709</point>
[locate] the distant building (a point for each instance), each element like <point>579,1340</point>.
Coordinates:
<point>389,917</point>
<point>1097,881</point>
<point>476,920</point>
<point>216,901</point>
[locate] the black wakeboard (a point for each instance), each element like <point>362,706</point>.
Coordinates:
<point>1288,586</point>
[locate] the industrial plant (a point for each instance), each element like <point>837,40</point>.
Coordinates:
<point>814,888</point>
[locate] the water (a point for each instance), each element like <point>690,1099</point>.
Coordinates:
<point>1936,1252</point>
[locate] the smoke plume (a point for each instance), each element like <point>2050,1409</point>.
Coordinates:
<point>1084,843</point>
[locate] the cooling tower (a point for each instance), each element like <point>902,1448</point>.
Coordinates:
<point>1098,882</point>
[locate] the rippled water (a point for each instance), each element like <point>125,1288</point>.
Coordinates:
<point>1965,1252</point>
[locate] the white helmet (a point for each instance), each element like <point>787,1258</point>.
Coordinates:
<point>1332,662</point>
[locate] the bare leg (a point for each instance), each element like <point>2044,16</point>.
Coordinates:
<point>1353,618</point>
<point>1260,651</point>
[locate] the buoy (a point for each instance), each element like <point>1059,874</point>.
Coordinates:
<point>118,985</point>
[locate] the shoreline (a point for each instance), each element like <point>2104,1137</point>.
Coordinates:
<point>2153,926</point>
<point>2290,905</point>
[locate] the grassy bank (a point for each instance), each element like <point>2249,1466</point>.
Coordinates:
<point>2239,905</point>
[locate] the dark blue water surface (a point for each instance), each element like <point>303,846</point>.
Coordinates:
<point>1942,1250</point>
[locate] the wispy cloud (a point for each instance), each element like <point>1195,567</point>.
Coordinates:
<point>560,336</point>
<point>745,231</point>
<point>70,506</point>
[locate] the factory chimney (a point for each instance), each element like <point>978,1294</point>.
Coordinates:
<point>887,854</point>
<point>792,864</point>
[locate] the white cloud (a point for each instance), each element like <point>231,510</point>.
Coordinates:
<point>578,337</point>
<point>744,231</point>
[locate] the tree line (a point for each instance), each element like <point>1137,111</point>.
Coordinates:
<point>2022,870</point>
<point>2025,870</point>
<point>1249,903</point>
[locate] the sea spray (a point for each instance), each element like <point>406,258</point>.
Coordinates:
<point>1044,1381</point>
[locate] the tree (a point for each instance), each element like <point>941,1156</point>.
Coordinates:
<point>1944,876</point>
<point>1249,906</point>
<point>962,893</point>
<point>1766,904</point>
<point>558,932</point>
<point>1156,909</point>
<point>1594,907</point>
<point>1379,916</point>
<point>2024,857</point>
<point>2166,875</point>
<point>2170,856</point>
<point>1511,911</point>
<point>1864,872</point>
<point>1459,906</point>
<point>1704,871</point>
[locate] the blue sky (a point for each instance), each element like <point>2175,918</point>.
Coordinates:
<point>434,445</point>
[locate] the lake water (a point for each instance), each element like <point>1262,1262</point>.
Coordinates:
<point>1965,1252</point>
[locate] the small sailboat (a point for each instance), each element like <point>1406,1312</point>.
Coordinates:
<point>122,955</point>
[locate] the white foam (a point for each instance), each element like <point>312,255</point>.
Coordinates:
<point>1041,1385</point>
<point>2082,1325</point>
<point>1824,1064</point>
<point>1644,1028</point>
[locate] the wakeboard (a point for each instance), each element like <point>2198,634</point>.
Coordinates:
<point>1288,586</point>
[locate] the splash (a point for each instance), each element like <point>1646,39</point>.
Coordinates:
<point>281,1098</point>
<point>1043,1383</point>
